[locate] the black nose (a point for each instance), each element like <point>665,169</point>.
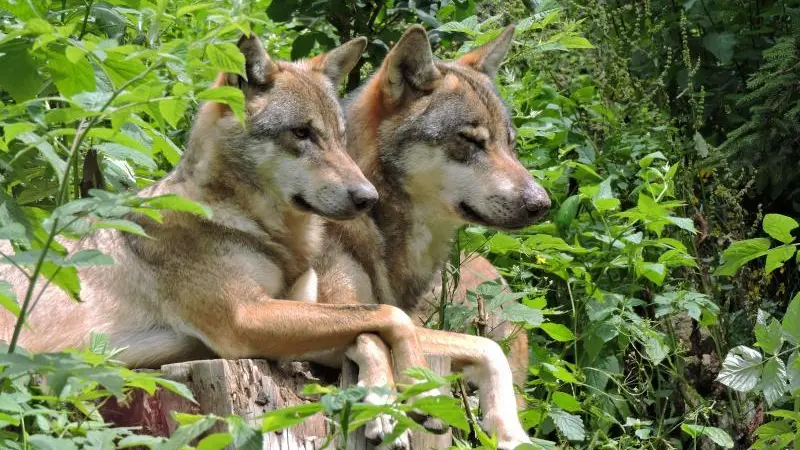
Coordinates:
<point>536,200</point>
<point>363,196</point>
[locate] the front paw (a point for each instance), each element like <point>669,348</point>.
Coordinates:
<point>378,428</point>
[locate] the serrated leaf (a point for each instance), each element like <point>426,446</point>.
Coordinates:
<point>741,369</point>
<point>717,435</point>
<point>227,95</point>
<point>558,332</point>
<point>519,313</point>
<point>791,320</point>
<point>655,272</point>
<point>780,227</point>
<point>570,425</point>
<point>720,45</point>
<point>226,58</point>
<point>86,258</point>
<point>769,337</point>
<point>774,380</point>
<point>244,436</point>
<point>173,110</point>
<point>176,388</point>
<point>700,145</point>
<point>739,253</point>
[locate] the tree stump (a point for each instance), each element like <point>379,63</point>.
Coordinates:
<point>250,388</point>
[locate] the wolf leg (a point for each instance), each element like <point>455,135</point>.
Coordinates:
<point>486,365</point>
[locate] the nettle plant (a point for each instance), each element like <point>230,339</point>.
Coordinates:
<point>600,277</point>
<point>772,371</point>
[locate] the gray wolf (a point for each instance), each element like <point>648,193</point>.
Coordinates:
<point>436,140</point>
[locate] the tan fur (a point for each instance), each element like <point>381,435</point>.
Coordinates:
<point>225,285</point>
<point>411,129</point>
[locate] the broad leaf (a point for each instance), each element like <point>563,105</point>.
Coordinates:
<point>741,369</point>
<point>226,58</point>
<point>777,256</point>
<point>791,320</point>
<point>717,435</point>
<point>570,425</point>
<point>780,227</point>
<point>739,253</point>
<point>774,380</point>
<point>558,332</point>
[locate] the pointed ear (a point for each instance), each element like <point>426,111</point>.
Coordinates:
<point>409,65</point>
<point>337,63</point>
<point>257,64</point>
<point>488,57</point>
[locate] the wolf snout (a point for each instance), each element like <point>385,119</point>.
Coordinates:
<point>536,201</point>
<point>363,196</point>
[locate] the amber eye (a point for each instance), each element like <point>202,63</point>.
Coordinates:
<point>302,132</point>
<point>474,140</point>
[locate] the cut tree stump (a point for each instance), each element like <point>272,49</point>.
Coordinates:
<point>249,388</point>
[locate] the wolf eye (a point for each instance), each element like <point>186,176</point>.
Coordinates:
<point>302,132</point>
<point>474,140</point>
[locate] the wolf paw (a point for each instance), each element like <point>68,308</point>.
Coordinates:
<point>430,423</point>
<point>377,429</point>
<point>512,442</point>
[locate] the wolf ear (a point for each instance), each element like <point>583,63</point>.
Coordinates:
<point>409,65</point>
<point>488,57</point>
<point>257,64</point>
<point>337,63</point>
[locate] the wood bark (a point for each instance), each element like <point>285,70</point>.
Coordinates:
<point>249,388</point>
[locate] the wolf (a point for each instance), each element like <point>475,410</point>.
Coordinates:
<point>436,140</point>
<point>231,285</point>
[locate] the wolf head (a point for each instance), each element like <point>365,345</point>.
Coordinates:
<point>292,146</point>
<point>443,131</point>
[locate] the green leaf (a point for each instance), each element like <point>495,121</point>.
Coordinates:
<point>227,95</point>
<point>215,441</point>
<point>502,243</point>
<point>175,203</point>
<point>720,45</point>
<point>24,82</point>
<point>43,442</point>
<point>192,426</point>
<point>774,380</point>
<point>8,299</point>
<point>226,58</point>
<point>71,78</point>
<point>566,402</point>
<point>768,337</point>
<point>281,11</point>
<point>700,145</point>
<point>741,369</point>
<point>87,258</point>
<point>245,437</point>
<point>122,225</point>
<point>777,256</point>
<point>286,417</point>
<point>558,332</point>
<point>571,426</point>
<point>176,388</point>
<point>519,313</point>
<point>717,435</point>
<point>739,253</point>
<point>302,45</point>
<point>791,320</point>
<point>173,110</point>
<point>780,227</point>
<point>443,407</point>
<point>655,272</point>
<point>567,212</point>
